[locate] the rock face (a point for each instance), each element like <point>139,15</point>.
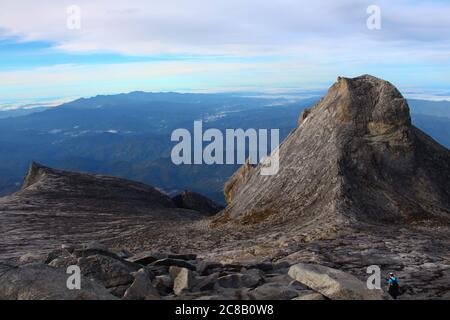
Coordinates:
<point>195,201</point>
<point>90,192</point>
<point>333,284</point>
<point>56,206</point>
<point>354,157</point>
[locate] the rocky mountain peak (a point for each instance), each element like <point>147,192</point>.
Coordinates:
<point>89,189</point>
<point>365,106</point>
<point>57,206</point>
<point>354,157</point>
<point>36,172</point>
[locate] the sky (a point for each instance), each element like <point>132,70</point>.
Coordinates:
<point>216,46</point>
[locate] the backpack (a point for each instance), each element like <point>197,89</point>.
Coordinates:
<point>394,285</point>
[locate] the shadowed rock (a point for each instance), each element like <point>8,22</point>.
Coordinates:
<point>73,190</point>
<point>195,201</point>
<point>56,206</point>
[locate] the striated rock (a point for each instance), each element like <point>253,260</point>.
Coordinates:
<point>42,282</point>
<point>195,201</point>
<point>237,181</point>
<point>333,284</point>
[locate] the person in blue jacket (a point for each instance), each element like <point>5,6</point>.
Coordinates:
<point>393,286</point>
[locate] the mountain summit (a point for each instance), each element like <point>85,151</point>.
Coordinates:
<point>353,158</point>
<point>74,191</point>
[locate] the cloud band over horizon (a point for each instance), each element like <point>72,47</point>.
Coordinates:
<point>217,45</point>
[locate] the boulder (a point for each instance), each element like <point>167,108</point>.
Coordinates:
<point>309,295</point>
<point>32,258</point>
<point>239,280</point>
<point>273,291</point>
<point>106,270</point>
<point>332,283</point>
<point>141,288</point>
<point>206,283</point>
<point>163,283</point>
<point>42,282</point>
<point>195,201</point>
<point>184,281</point>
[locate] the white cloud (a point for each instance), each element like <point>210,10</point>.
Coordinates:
<point>223,27</point>
<point>268,44</point>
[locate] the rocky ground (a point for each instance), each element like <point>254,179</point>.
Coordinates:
<point>420,257</point>
<point>118,274</point>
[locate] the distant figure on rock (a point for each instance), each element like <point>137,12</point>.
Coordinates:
<point>393,286</point>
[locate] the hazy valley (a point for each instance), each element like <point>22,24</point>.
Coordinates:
<point>128,135</point>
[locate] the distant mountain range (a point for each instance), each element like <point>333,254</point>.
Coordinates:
<point>128,135</point>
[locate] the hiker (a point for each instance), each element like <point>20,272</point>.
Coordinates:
<point>393,286</point>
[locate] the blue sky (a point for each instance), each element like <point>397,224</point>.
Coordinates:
<point>216,46</point>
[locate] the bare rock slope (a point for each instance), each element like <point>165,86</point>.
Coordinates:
<point>358,185</point>
<point>56,206</point>
<point>354,158</point>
